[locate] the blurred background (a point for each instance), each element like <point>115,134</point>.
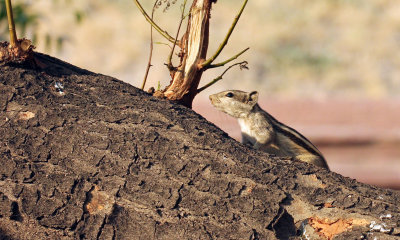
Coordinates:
<point>328,68</point>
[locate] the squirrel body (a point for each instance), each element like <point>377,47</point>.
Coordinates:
<point>262,131</point>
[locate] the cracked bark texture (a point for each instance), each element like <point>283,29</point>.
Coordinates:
<point>86,156</point>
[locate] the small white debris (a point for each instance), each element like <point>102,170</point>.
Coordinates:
<point>304,230</point>
<point>386,216</point>
<point>379,227</point>
<point>380,197</point>
<point>59,87</point>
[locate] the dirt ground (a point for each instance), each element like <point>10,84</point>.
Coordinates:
<point>359,138</point>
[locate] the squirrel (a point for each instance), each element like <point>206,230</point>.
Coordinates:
<point>262,131</point>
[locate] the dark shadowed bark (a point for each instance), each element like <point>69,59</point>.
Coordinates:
<point>86,156</point>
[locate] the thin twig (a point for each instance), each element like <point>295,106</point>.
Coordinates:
<point>150,20</point>
<point>222,45</point>
<point>161,43</point>
<point>169,64</point>
<point>151,48</point>
<point>227,61</point>
<point>11,25</point>
<point>243,65</point>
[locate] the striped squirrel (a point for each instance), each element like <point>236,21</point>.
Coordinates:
<point>262,131</point>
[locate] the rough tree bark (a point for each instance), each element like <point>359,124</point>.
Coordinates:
<point>86,156</point>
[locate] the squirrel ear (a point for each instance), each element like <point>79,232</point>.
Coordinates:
<point>253,97</point>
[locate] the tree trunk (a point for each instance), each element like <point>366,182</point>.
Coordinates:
<point>195,44</point>
<point>86,156</point>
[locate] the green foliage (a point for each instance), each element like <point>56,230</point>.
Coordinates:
<point>79,16</point>
<point>158,86</point>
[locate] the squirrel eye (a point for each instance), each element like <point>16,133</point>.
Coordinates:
<point>229,94</point>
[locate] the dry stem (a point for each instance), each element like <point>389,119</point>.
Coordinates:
<point>225,41</point>
<point>227,61</point>
<point>11,25</point>
<point>150,20</point>
<point>169,64</point>
<point>243,65</point>
<point>151,48</point>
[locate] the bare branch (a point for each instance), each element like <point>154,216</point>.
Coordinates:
<point>242,65</point>
<point>11,25</point>
<point>223,44</point>
<point>151,48</point>
<point>162,32</point>
<point>227,61</point>
<point>169,64</point>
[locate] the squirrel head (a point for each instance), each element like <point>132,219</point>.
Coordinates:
<point>236,103</point>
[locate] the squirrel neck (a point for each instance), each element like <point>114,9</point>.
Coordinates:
<point>248,115</point>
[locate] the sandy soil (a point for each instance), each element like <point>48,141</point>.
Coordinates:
<point>359,138</point>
